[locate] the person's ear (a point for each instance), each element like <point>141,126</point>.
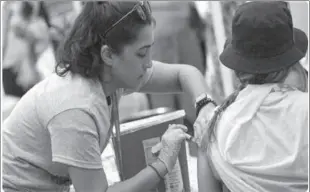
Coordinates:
<point>106,55</point>
<point>297,78</point>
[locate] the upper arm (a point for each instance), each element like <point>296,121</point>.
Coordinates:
<point>164,78</point>
<point>75,143</point>
<point>206,179</point>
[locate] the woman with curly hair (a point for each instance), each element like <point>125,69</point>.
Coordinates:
<point>55,135</point>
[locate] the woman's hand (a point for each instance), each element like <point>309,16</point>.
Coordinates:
<point>170,145</point>
<point>202,121</point>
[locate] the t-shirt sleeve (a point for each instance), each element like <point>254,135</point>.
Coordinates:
<point>75,139</point>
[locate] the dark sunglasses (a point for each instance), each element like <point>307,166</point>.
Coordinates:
<point>143,9</point>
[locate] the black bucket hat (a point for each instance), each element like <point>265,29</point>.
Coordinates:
<point>263,39</point>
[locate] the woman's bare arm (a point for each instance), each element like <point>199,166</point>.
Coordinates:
<point>206,180</point>
<point>90,180</point>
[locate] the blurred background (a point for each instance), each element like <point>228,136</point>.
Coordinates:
<point>191,32</point>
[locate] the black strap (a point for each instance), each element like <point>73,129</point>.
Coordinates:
<point>109,100</point>
<point>203,102</point>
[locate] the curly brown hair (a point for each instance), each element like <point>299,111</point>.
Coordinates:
<point>80,51</point>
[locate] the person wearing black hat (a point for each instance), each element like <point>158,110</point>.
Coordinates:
<point>258,137</point>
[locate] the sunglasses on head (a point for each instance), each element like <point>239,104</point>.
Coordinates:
<point>143,9</point>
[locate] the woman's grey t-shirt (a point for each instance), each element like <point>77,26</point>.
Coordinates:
<point>62,120</point>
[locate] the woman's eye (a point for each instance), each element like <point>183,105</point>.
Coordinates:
<point>141,55</point>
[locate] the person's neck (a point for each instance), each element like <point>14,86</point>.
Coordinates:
<point>109,85</point>
<point>108,88</point>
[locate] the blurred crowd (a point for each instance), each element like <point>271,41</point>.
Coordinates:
<point>28,35</point>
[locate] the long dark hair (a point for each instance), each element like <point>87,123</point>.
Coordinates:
<point>80,52</point>
<point>245,78</point>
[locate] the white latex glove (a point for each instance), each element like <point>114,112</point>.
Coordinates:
<point>202,122</point>
<point>170,145</point>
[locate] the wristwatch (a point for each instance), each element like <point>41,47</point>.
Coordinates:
<point>202,101</point>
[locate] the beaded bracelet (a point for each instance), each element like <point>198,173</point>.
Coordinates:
<point>203,102</point>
